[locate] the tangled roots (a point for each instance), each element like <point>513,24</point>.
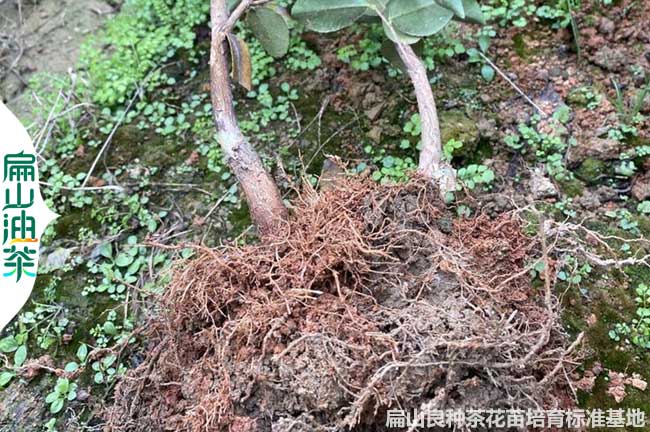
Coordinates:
<point>374,297</point>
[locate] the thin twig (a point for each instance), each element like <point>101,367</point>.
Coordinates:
<point>514,86</point>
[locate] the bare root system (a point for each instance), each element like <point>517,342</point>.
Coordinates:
<point>371,298</point>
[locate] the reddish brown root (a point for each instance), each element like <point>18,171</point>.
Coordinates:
<point>373,298</point>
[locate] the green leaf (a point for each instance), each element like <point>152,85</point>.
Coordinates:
<point>5,377</point>
<point>8,344</point>
<point>106,250</point>
<point>71,367</point>
<point>487,73</point>
<point>109,328</point>
<point>82,352</point>
<point>456,6</point>
<point>123,260</point>
<point>328,16</point>
<point>271,29</point>
<point>488,176</point>
<point>108,361</point>
<point>418,17</point>
<point>51,397</point>
<point>398,36</point>
<point>389,51</point>
<point>484,43</point>
<point>20,355</point>
<point>242,69</point>
<point>62,386</point>
<point>56,406</point>
<point>473,13</point>
<point>378,5</point>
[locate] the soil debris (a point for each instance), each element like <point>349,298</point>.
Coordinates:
<point>373,297</point>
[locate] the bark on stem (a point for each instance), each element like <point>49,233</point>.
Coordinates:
<point>265,203</point>
<point>431,163</point>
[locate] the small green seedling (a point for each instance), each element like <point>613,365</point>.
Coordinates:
<point>64,391</point>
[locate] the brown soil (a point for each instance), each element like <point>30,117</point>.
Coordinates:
<point>373,298</point>
<point>43,36</point>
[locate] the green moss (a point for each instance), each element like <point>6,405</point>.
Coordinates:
<point>611,302</point>
<point>571,187</point>
<point>644,226</point>
<point>638,274</point>
<point>68,224</point>
<point>591,170</point>
<point>455,124</point>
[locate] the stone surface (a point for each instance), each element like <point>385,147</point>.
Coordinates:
<point>541,186</point>
<point>598,148</point>
<point>610,59</point>
<point>641,187</point>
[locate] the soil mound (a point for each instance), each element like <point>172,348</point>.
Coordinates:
<point>373,298</point>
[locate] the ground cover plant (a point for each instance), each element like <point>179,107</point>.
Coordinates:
<point>167,300</point>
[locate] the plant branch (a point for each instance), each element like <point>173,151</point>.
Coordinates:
<point>265,203</point>
<point>514,86</point>
<point>431,163</point>
<point>237,13</point>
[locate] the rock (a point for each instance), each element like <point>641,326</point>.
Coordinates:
<point>541,186</point>
<point>82,395</point>
<point>586,383</point>
<point>455,124</point>
<point>193,158</point>
<point>638,382</point>
<point>606,193</point>
<point>606,26</point>
<point>375,134</point>
<point>57,259</point>
<point>542,75</point>
<point>592,320</point>
<point>487,128</point>
<point>485,98</point>
<point>616,387</point>
<point>598,148</point>
<point>555,72</point>
<point>641,187</point>
<point>96,181</point>
<point>610,59</point>
<point>591,170</point>
<point>588,200</point>
<point>618,381</point>
<point>374,112</point>
<point>597,368</point>
<point>331,175</point>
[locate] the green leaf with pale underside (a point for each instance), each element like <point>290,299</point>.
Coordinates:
<point>418,17</point>
<point>473,13</point>
<point>397,36</point>
<point>456,6</point>
<point>271,29</point>
<point>329,15</point>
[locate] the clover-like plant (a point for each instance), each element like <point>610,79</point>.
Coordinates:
<point>405,22</point>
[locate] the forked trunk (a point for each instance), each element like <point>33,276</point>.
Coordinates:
<point>266,207</point>
<point>431,163</point>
